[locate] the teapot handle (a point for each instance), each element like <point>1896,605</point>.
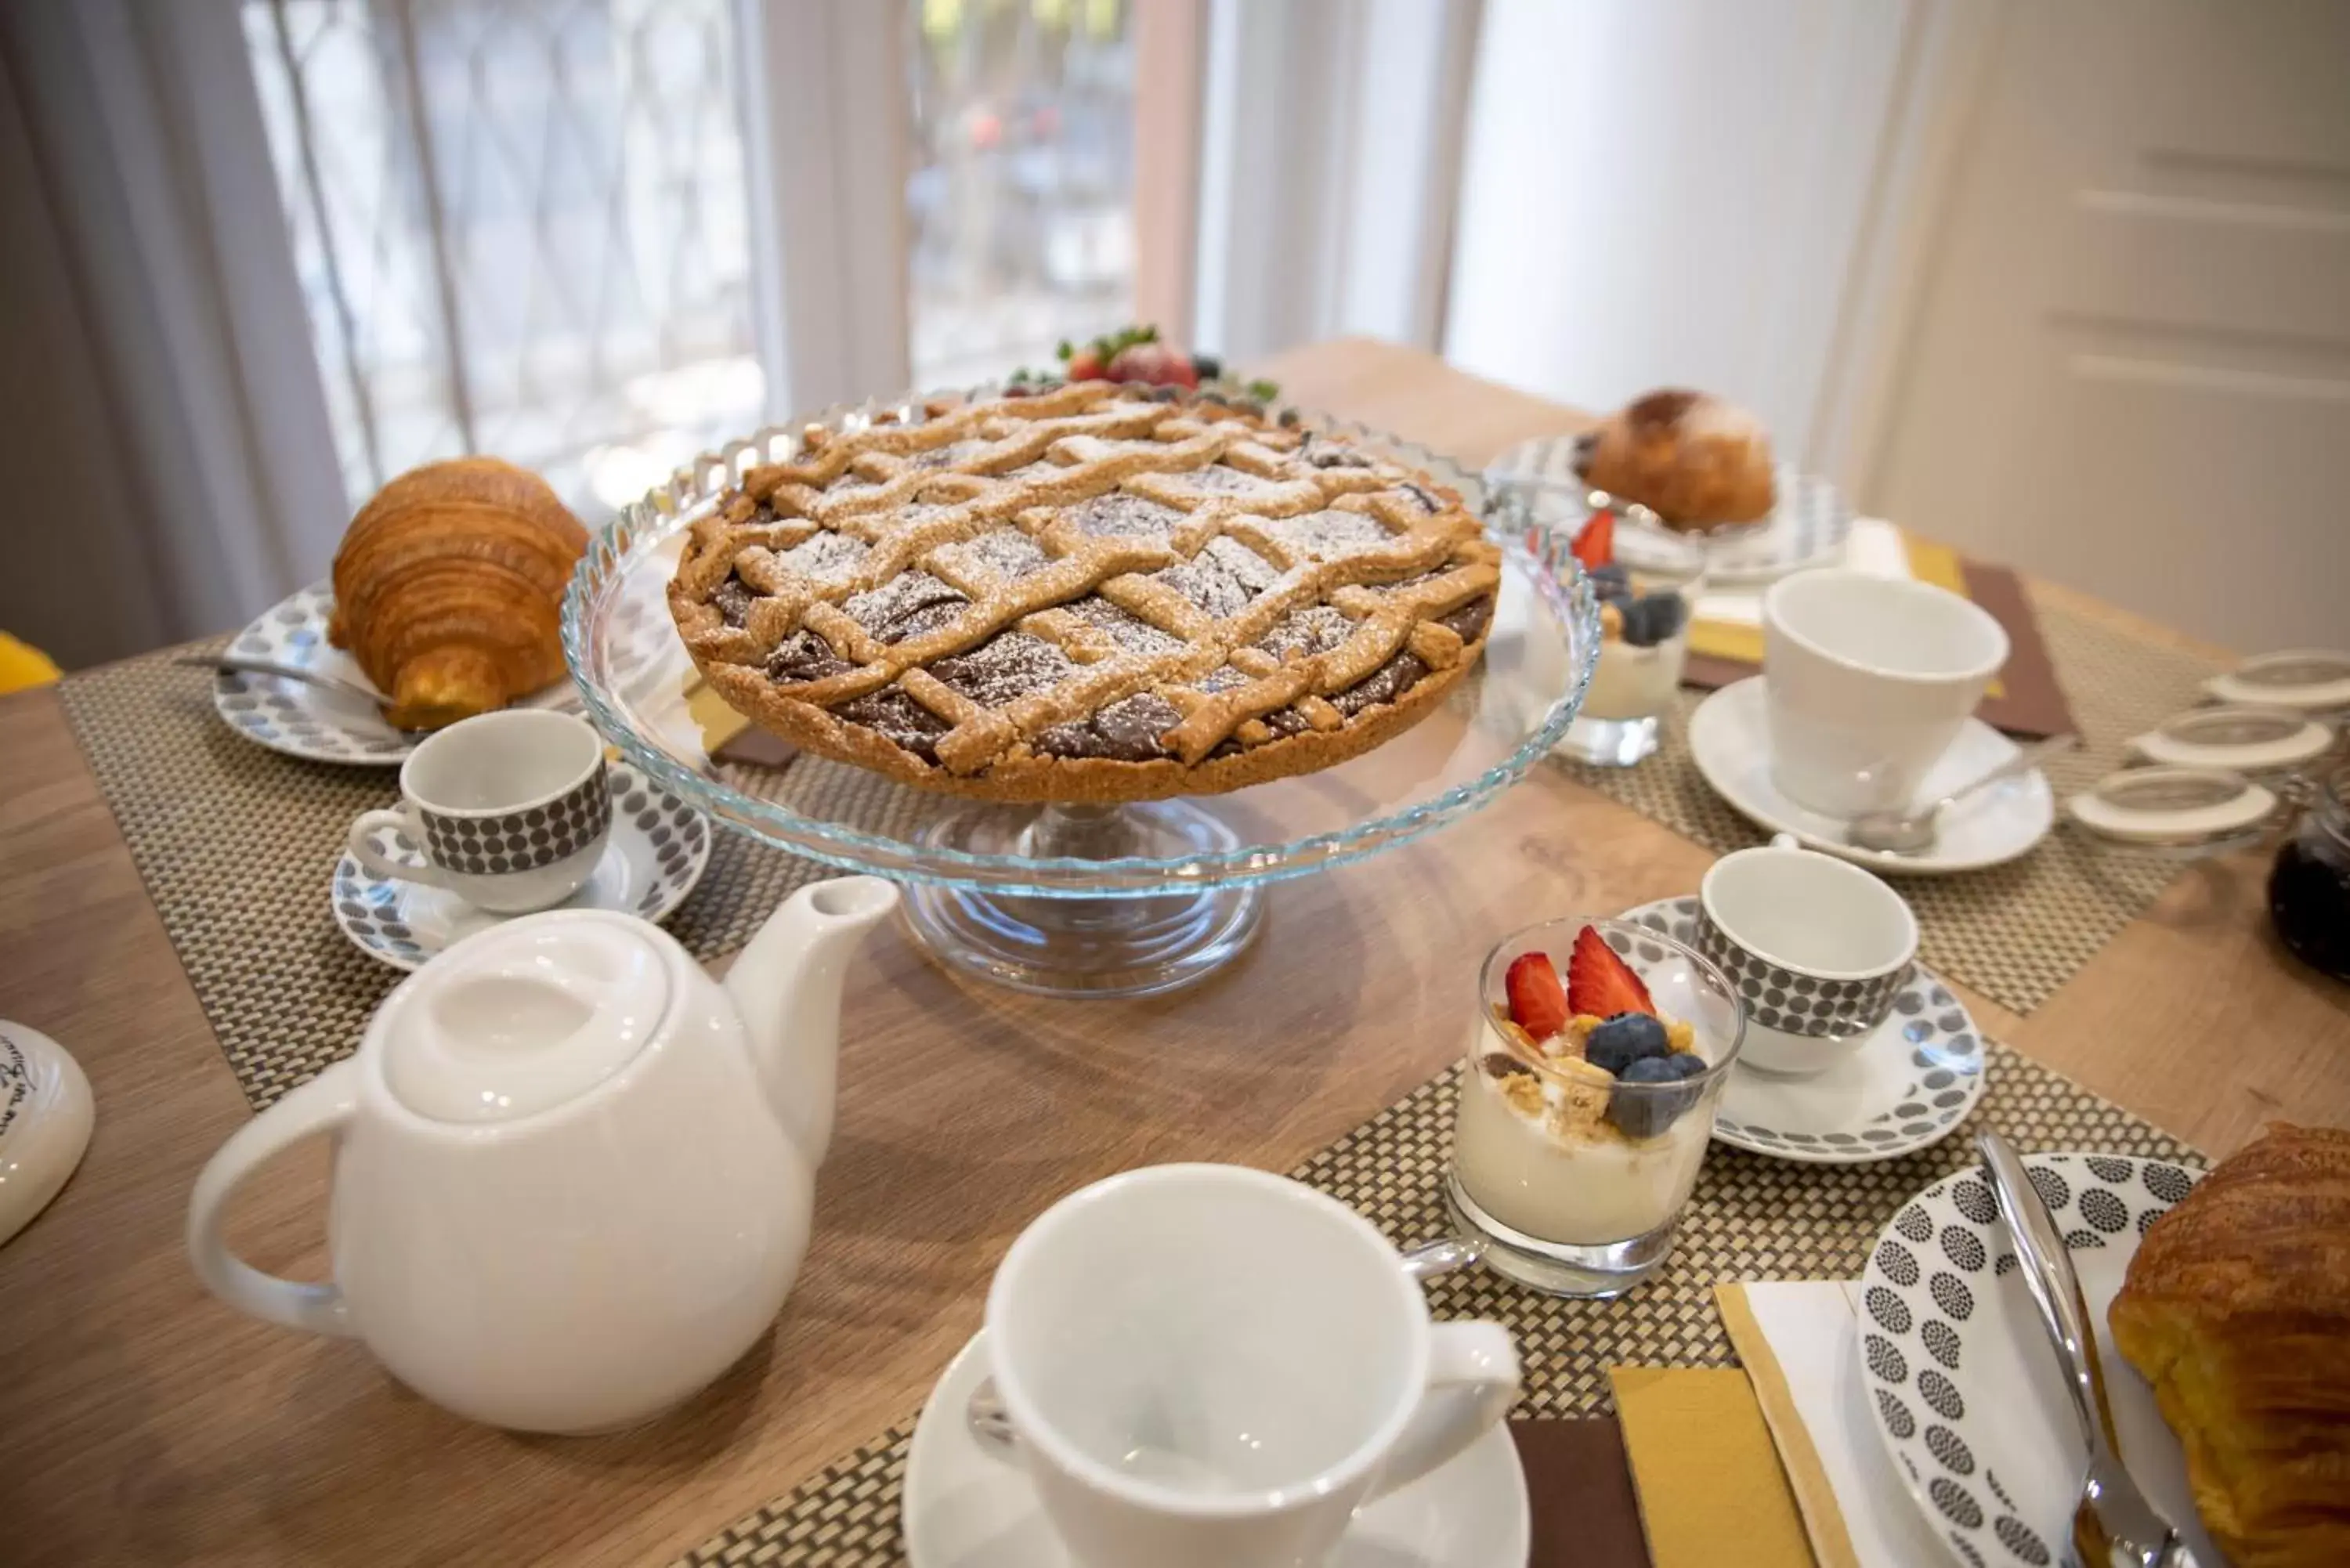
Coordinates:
<point>322,1104</point>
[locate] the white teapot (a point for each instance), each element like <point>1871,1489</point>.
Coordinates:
<point>573,1173</point>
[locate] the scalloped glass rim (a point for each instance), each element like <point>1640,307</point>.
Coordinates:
<point>643,525</point>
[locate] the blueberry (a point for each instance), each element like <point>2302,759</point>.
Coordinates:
<point>1638,623</point>
<point>1651,619</point>
<point>1645,1113</point>
<point>1611,582</point>
<point>1624,1039</point>
<point>1207,367</point>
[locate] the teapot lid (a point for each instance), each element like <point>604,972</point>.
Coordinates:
<point>524,1016</point>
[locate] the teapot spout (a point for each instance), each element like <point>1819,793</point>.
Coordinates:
<point>785,986</point>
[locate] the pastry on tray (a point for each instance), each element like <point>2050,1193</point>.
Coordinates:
<point>2237,1310</point>
<point>1695,460</point>
<point>1093,592</point>
<point>449,589</point>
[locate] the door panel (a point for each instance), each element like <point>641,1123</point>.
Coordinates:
<point>2130,370</point>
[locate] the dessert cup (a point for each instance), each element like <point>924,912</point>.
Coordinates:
<point>1648,602</point>
<point>1569,1180</point>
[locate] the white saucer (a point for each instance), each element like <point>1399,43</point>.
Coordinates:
<point>1909,1084</point>
<point>966,1508</point>
<point>309,721</point>
<point>1730,739</point>
<point>659,849</point>
<point>46,1112</point>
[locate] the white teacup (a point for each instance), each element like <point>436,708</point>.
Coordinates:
<point>1209,1365</point>
<point>1869,681</point>
<point>510,811</point>
<point>1818,947</point>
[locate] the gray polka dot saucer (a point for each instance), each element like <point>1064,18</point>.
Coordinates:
<point>659,849</point>
<point>1957,1375</point>
<point>310,721</point>
<point>1909,1087</point>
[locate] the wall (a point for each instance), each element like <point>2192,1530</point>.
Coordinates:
<point>1661,191</point>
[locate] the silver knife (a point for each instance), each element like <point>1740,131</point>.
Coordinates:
<point>2115,1525</point>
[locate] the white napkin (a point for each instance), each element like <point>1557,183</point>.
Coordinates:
<point>1874,545</point>
<point>1811,1353</point>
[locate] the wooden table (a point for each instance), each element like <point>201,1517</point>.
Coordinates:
<point>141,1421</point>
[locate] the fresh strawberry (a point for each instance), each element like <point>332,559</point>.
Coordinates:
<point>1537,1001</point>
<point>1595,545</point>
<point>1598,984</point>
<point>1153,363</point>
<point>1086,365</point>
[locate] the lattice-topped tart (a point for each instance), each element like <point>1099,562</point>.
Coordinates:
<point>1086,594</point>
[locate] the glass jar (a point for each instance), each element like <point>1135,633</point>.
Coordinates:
<point>2309,889</point>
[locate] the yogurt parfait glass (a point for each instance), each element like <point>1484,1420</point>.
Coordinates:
<point>1568,1178</point>
<point>1648,578</point>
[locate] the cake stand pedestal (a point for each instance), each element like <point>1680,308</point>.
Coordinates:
<point>1113,946</point>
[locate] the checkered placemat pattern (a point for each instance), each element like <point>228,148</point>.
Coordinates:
<point>1751,1218</point>
<point>236,846</point>
<point>2014,933</point>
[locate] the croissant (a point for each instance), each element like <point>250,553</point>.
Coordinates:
<point>449,589</point>
<point>1693,460</point>
<point>2236,1309</point>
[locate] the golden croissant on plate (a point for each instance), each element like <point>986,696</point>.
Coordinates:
<point>2236,1309</point>
<point>1695,460</point>
<point>449,589</point>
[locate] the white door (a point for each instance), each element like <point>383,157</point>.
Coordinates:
<point>2130,367</point>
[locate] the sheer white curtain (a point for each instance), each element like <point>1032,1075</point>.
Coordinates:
<point>1661,191</point>
<point>182,475</point>
<point>1330,160</point>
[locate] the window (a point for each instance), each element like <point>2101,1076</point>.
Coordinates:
<point>520,227</point>
<point>1020,204</point>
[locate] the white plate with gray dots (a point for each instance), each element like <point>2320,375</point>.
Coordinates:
<point>309,721</point>
<point>659,849</point>
<point>1962,1386</point>
<point>1909,1087</point>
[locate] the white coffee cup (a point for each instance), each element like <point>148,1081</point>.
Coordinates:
<point>510,811</point>
<point>1205,1364</point>
<point>1818,947</point>
<point>1869,681</point>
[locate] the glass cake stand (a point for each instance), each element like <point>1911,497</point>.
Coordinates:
<point>1072,901</point>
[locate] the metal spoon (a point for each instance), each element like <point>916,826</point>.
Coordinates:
<point>242,664</point>
<point>990,1423</point>
<point>2114,1524</point>
<point>558,696</point>
<point>1913,831</point>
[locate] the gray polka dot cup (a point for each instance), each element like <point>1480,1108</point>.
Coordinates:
<point>1816,947</point>
<point>510,811</point>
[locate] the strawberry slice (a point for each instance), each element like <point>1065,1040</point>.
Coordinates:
<point>1086,365</point>
<point>1537,1001</point>
<point>1598,984</point>
<point>1595,545</point>
<point>1154,363</point>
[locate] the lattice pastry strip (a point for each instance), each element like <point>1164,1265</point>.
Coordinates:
<point>1086,594</point>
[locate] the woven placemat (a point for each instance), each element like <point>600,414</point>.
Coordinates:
<point>2014,933</point>
<point>235,844</point>
<point>1751,1218</point>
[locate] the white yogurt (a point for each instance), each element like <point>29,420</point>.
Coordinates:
<point>1631,682</point>
<point>1575,1190</point>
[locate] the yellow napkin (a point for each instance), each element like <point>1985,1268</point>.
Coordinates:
<point>1799,1460</point>
<point>1711,1488</point>
<point>23,666</point>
